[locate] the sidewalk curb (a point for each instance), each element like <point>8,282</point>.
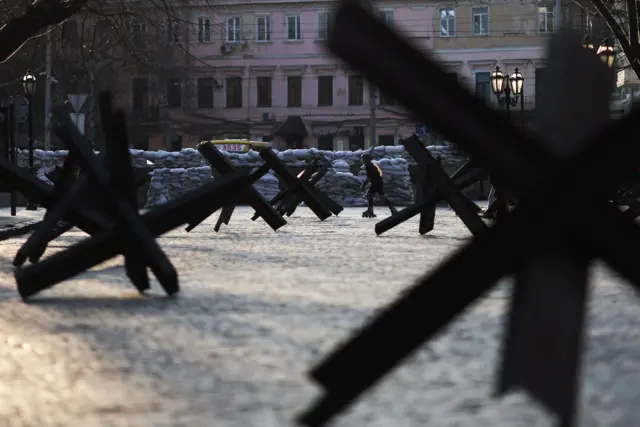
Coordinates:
<point>18,229</point>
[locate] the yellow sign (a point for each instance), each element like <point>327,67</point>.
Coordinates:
<point>238,145</point>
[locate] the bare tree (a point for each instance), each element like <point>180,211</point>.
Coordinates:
<point>621,18</point>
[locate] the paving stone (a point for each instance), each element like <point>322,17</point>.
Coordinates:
<point>257,310</point>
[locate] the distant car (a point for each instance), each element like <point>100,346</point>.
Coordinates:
<point>238,145</point>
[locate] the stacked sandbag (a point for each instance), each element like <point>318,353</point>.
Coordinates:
<point>341,166</point>
<point>184,159</point>
<point>394,161</point>
<point>41,174</point>
<point>343,187</point>
<point>189,157</point>
<point>170,183</point>
<point>41,158</point>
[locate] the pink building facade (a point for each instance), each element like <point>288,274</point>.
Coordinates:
<point>264,67</point>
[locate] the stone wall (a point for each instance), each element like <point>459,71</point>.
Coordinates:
<point>175,173</point>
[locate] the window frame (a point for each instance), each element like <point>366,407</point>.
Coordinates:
<point>237,29</point>
<point>298,27</point>
<point>386,12</point>
<point>330,104</point>
<point>475,14</point>
<point>299,103</point>
<point>489,92</point>
<point>268,25</point>
<point>319,29</point>
<point>226,91</point>
<point>201,29</point>
<point>448,19</point>
<point>349,103</point>
<point>198,97</point>
<point>173,31</point>
<point>546,15</point>
<point>170,84</point>
<point>142,25</point>
<point>270,103</point>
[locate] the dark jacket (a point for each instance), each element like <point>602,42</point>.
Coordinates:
<point>374,174</point>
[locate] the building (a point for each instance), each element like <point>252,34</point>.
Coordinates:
<point>265,68</point>
<point>259,70</point>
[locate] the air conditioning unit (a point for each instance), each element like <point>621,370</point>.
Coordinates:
<point>226,48</point>
<point>217,84</point>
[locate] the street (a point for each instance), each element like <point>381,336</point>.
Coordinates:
<point>257,310</point>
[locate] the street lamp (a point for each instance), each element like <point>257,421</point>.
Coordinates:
<point>508,89</point>
<point>29,87</point>
<point>606,51</point>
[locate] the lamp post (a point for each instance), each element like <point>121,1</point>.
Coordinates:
<point>508,89</point>
<point>606,51</point>
<point>29,87</point>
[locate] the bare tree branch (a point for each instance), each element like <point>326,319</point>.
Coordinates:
<point>40,15</point>
<point>633,22</point>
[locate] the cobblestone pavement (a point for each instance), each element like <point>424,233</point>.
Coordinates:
<point>22,215</point>
<point>23,222</point>
<point>257,310</point>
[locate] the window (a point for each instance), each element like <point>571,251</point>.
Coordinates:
<point>174,93</point>
<point>447,22</point>
<point>204,30</point>
<point>483,86</point>
<point>139,30</point>
<point>480,21</point>
<point>293,28</point>
<point>386,16</point>
<point>325,142</point>
<point>173,32</point>
<point>545,19</point>
<point>294,91</point>
<point>205,92</point>
<point>234,33</point>
<point>140,94</point>
<point>264,87</point>
<point>386,99</point>
<point>323,25</point>
<point>325,91</point>
<point>175,142</point>
<point>263,28</point>
<point>234,92</point>
<point>386,140</point>
<point>356,90</point>
<point>356,139</point>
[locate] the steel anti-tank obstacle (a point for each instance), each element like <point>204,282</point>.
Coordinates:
<point>558,196</point>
